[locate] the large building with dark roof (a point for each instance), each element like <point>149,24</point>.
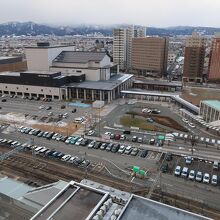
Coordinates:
<point>62,73</point>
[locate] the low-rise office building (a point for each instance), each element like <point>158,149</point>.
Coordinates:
<point>210,110</point>
<point>12,64</point>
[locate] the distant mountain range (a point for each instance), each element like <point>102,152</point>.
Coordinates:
<point>33,29</point>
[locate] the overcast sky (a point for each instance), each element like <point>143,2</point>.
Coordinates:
<point>160,13</point>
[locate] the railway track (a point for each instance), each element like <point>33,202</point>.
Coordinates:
<point>49,170</point>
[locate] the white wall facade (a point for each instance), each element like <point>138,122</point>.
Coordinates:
<point>41,58</point>
<point>37,90</point>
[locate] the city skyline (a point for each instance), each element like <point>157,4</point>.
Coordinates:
<point>154,13</point>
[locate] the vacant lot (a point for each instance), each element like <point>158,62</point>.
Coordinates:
<point>195,95</point>
<point>163,120</point>
<point>139,122</point>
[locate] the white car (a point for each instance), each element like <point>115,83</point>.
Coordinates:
<point>185,120</point>
<point>177,171</point>
<point>50,114</point>
<point>189,160</point>
<point>121,149</point>
<point>108,133</point>
<point>42,107</point>
<point>79,141</point>
<point>122,137</point>
<point>91,132</point>
<point>192,174</point>
<point>214,180</point>
<point>67,141</point>
<point>144,110</point>
<point>199,176</point>
<point>185,172</point>
<point>66,157</point>
<point>65,115</point>
<point>206,178</point>
<point>191,125</point>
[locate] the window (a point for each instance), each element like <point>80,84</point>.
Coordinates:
<point>17,88</point>
<point>6,87</point>
<point>41,90</point>
<point>78,71</point>
<point>26,88</point>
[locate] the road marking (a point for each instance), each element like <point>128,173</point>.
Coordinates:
<point>132,179</point>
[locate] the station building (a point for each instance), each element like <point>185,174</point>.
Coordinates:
<point>210,110</point>
<point>59,72</point>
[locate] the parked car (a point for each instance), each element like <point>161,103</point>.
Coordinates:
<point>150,120</point>
<point>199,176</point>
<point>185,172</point>
<point>164,168</point>
<point>117,137</point>
<point>62,106</point>
<point>121,149</point>
<point>152,141</point>
<point>206,178</point>
<point>126,132</point>
<point>97,145</point>
<point>168,157</point>
<point>191,125</point>
<point>103,146</point>
<point>91,132</point>
<point>74,110</point>
<point>4,100</point>
<point>192,174</point>
<point>128,150</point>
<point>134,139</point>
<point>115,148</point>
<point>214,180</point>
<point>78,142</point>
<point>134,151</point>
<point>109,147</point>
<point>215,165</point>
<point>189,160</point>
<point>48,107</point>
<point>177,171</point>
<point>84,142</point>
<point>144,153</point>
<point>122,137</point>
<point>92,144</point>
<point>140,140</point>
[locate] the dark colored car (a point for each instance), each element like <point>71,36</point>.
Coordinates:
<point>134,139</point>
<point>103,146</point>
<point>48,107</point>
<point>84,142</point>
<point>49,136</point>
<point>164,168</point>
<point>109,147</point>
<point>77,161</point>
<point>144,153</point>
<point>117,137</point>
<point>127,132</point>
<point>168,157</point>
<point>63,139</point>
<point>115,148</point>
<point>74,110</point>
<point>62,106</point>
<point>4,100</point>
<point>97,145</point>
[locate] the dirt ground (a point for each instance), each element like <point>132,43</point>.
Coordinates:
<point>195,95</point>
<point>67,130</point>
<point>163,120</point>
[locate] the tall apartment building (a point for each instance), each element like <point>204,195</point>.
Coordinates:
<point>149,55</point>
<point>194,58</point>
<point>122,43</point>
<point>214,62</point>
<point>140,32</point>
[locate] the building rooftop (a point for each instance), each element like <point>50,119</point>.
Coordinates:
<point>103,85</point>
<point>213,103</point>
<point>78,57</point>
<point>8,60</point>
<point>162,83</point>
<point>142,208</point>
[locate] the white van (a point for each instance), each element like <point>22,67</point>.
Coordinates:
<point>79,120</point>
